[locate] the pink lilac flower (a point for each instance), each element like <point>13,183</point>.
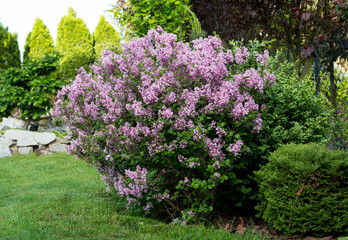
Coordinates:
<point>186,181</point>
<point>148,206</point>
<point>190,213</point>
<point>262,58</point>
<point>183,144</point>
<point>216,164</point>
<point>217,175</point>
<point>161,197</point>
<point>257,124</point>
<point>182,158</point>
<point>235,148</point>
<point>241,55</point>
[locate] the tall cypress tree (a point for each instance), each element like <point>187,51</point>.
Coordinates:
<point>26,49</point>
<point>3,40</point>
<point>9,50</point>
<point>14,55</point>
<point>40,42</point>
<point>105,36</point>
<point>75,45</point>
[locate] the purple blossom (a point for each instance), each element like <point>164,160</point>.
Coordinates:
<point>161,197</point>
<point>190,213</point>
<point>241,55</point>
<point>217,175</point>
<point>182,158</point>
<point>257,123</point>
<point>192,164</point>
<point>166,113</point>
<point>235,148</point>
<point>262,58</point>
<point>134,189</point>
<point>148,207</point>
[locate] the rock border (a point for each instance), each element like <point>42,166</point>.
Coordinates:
<point>27,142</point>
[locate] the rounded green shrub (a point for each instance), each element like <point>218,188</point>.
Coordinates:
<point>303,190</point>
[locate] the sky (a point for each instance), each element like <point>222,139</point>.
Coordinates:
<point>19,15</point>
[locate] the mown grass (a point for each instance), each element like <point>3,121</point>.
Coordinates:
<point>59,197</point>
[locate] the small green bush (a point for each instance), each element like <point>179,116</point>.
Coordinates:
<point>303,190</point>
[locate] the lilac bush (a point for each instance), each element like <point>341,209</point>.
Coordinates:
<point>164,122</point>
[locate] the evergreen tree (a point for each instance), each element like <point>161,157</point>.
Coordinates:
<point>9,50</point>
<point>13,53</point>
<point>75,45</point>
<point>105,36</point>
<point>3,40</point>
<point>26,49</point>
<point>41,42</point>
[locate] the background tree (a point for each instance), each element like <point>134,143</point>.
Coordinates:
<point>75,45</point>
<point>40,42</point>
<point>9,50</point>
<point>13,53</point>
<point>3,36</point>
<point>26,49</point>
<point>29,89</point>
<point>105,36</point>
<point>295,24</point>
<point>234,20</point>
<point>142,15</point>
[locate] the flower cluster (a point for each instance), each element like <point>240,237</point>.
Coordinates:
<point>132,185</point>
<point>163,104</point>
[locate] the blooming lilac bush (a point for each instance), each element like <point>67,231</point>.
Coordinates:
<point>164,122</point>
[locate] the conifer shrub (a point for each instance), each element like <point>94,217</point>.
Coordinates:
<point>165,121</point>
<point>74,44</point>
<point>303,190</point>
<point>40,43</point>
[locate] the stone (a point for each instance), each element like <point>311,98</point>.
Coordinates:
<point>4,127</point>
<point>44,138</point>
<point>25,150</point>
<point>42,147</point>
<point>45,152</point>
<point>44,122</point>
<point>11,122</point>
<point>58,147</point>
<point>27,138</point>
<point>5,151</point>
<point>6,142</point>
<point>14,149</point>
<point>15,134</point>
<point>64,128</point>
<point>26,141</point>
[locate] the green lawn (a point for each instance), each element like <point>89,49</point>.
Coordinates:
<point>59,197</point>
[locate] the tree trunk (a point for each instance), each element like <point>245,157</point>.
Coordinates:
<point>333,87</point>
<point>27,123</point>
